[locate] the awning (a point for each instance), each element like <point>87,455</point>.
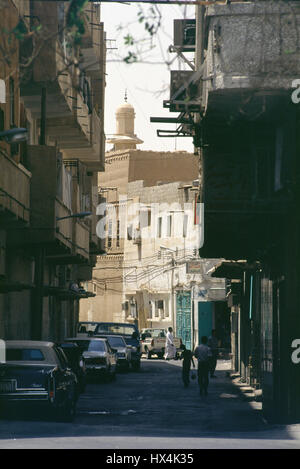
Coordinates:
<point>66,293</point>
<point>7,286</point>
<point>233,269</point>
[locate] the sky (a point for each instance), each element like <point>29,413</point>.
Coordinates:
<point>147,84</point>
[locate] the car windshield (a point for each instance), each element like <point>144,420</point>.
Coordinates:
<point>92,345</point>
<point>24,355</point>
<point>157,333</point>
<point>117,329</point>
<point>116,342</point>
<point>86,327</point>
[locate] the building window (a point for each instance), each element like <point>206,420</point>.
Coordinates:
<point>109,235</point>
<point>150,311</point>
<point>118,234</point>
<point>185,225</point>
<point>197,210</point>
<point>159,309</point>
<point>159,227</point>
<point>169,226</point>
<point>129,232</point>
<point>145,218</point>
<point>12,101</point>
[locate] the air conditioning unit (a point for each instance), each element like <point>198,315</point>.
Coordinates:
<point>185,34</point>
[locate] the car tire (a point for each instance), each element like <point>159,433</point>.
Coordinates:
<point>149,355</point>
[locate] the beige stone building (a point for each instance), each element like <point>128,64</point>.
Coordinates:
<point>166,283</point>
<point>55,89</point>
<point>124,164</point>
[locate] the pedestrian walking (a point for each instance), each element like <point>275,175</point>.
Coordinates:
<point>203,354</point>
<point>170,349</point>
<point>187,358</point>
<point>213,345</point>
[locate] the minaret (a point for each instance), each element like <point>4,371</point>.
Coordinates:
<point>124,138</point>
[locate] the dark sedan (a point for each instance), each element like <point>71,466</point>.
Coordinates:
<point>76,362</point>
<point>37,373</point>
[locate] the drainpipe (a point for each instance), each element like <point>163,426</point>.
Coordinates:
<point>37,311</point>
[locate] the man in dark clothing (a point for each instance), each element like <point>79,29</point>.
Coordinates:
<point>187,358</point>
<point>213,345</point>
<point>203,355</point>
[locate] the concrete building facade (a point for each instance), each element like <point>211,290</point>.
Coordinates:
<point>53,87</point>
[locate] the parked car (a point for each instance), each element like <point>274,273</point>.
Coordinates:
<point>76,362</point>
<point>123,351</point>
<point>154,342</point>
<point>131,336</point>
<point>37,373</point>
<point>100,360</point>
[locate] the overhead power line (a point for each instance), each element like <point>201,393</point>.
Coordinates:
<point>158,2</point>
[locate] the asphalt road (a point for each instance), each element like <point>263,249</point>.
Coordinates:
<point>151,409</point>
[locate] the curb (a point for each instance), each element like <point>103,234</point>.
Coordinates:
<point>247,393</point>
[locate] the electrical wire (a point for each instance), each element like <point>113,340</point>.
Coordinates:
<point>159,269</point>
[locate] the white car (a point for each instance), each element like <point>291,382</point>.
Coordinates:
<point>154,342</point>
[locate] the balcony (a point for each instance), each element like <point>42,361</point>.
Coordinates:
<point>66,113</point>
<point>74,117</point>
<point>14,191</point>
<point>247,194</point>
<point>92,45</point>
<point>252,58</point>
<point>81,240</point>
<point>66,240</point>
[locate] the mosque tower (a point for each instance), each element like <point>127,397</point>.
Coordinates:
<point>124,138</point>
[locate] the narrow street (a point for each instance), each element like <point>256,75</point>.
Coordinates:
<point>152,409</point>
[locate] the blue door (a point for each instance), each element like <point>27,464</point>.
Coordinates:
<point>183,318</point>
<point>205,318</point>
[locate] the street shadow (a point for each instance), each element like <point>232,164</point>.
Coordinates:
<point>151,403</point>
